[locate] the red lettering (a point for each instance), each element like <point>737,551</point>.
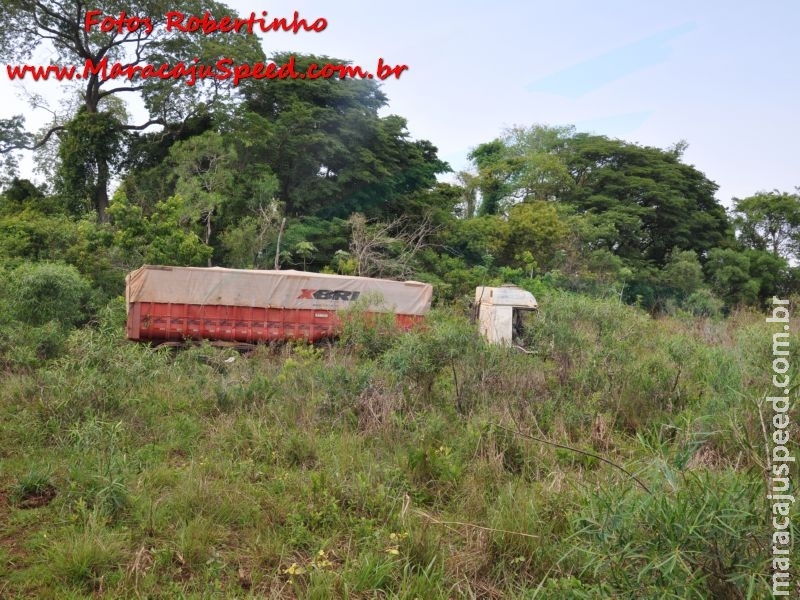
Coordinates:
<point>296,24</point>
<point>224,25</point>
<point>272,71</point>
<point>175,19</point>
<point>121,24</point>
<point>116,71</point>
<point>306,295</point>
<point>288,70</point>
<point>204,71</point>
<point>145,22</point>
<point>241,72</point>
<point>224,69</point>
<point>204,23</point>
<point>259,70</point>
<point>90,20</point>
<point>349,71</point>
<point>91,69</point>
<point>311,72</point>
<point>60,73</point>
<point>246,23</point>
<point>385,71</point>
<point>208,24</point>
<point>134,70</point>
<point>319,25</point>
<point>107,24</point>
<point>192,24</point>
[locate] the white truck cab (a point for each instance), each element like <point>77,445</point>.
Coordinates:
<point>499,312</point>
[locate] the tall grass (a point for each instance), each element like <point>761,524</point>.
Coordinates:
<point>420,464</point>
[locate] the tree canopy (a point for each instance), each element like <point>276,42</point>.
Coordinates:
<point>67,27</point>
<point>330,150</point>
<point>316,174</point>
<point>769,221</point>
<point>644,200</point>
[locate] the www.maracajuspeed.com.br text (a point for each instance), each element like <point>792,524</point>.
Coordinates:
<point>223,70</point>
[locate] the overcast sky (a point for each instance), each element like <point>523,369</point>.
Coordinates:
<point>721,75</point>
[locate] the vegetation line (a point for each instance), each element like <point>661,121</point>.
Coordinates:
<point>597,456</point>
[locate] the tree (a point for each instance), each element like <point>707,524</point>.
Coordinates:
<point>228,194</point>
<point>771,272</point>
<point>305,250</point>
<point>386,249</point>
<point>91,145</point>
<point>164,237</point>
<point>150,174</point>
<point>644,200</point>
<point>22,194</point>
<point>659,202</point>
<point>205,177</point>
<point>246,241</point>
<point>469,194</point>
<point>12,138</point>
<point>524,164</point>
<point>683,273</point>
<point>534,227</point>
<point>537,152</point>
<point>769,221</point>
<point>494,174</point>
<point>729,274</point>
<point>43,292</point>
<point>62,25</point>
<point>332,153</point>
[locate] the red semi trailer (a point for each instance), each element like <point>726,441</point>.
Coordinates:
<point>175,304</point>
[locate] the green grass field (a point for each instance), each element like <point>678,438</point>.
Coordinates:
<point>387,465</point>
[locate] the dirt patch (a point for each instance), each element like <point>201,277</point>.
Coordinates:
<point>35,498</point>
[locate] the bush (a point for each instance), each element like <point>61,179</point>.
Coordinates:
<point>417,358</point>
<point>367,335</point>
<point>43,292</point>
<point>703,303</point>
<point>24,347</point>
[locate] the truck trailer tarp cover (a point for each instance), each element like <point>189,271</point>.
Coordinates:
<point>284,289</point>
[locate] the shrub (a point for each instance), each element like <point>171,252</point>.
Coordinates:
<point>24,347</point>
<point>43,292</point>
<point>703,303</point>
<point>420,356</point>
<point>368,335</point>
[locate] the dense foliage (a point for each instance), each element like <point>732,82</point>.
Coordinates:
<point>419,465</point>
<point>319,165</point>
<point>313,177</point>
